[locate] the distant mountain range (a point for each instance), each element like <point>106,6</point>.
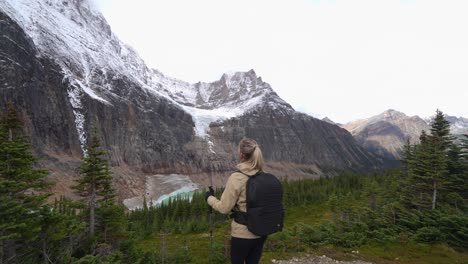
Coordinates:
<point>386,134</point>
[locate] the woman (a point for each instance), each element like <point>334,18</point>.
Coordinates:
<point>245,246</point>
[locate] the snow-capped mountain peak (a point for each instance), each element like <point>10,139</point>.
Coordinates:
<point>232,95</point>
<point>77,35</point>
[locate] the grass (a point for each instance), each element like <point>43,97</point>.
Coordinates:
<point>413,253</point>
<point>282,246</point>
<point>198,243</point>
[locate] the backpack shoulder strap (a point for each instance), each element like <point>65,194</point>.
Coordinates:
<point>250,175</point>
<point>239,171</point>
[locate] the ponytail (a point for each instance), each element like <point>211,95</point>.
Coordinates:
<point>252,153</point>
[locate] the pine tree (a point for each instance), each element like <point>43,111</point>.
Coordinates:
<point>457,182</point>
<point>464,161</point>
<point>59,225</point>
<point>417,185</point>
<point>438,171</point>
<point>95,183</point>
<point>423,137</point>
<point>428,166</point>
<point>112,223</point>
<point>406,175</point>
<point>440,131</point>
<point>432,170</point>
<point>445,152</point>
<point>20,182</point>
<point>464,147</point>
<point>70,212</point>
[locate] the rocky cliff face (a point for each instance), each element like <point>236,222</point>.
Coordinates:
<point>142,130</point>
<point>458,125</point>
<point>386,134</point>
<point>67,73</point>
<point>297,138</point>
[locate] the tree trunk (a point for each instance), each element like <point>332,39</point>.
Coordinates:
<point>44,251</point>
<point>71,249</point>
<point>434,194</point>
<point>372,201</point>
<point>420,201</point>
<point>394,216</point>
<point>105,234</point>
<point>1,248</point>
<point>92,206</point>
<point>10,247</point>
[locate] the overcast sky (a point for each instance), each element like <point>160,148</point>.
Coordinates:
<point>345,59</point>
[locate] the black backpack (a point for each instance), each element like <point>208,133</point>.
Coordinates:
<point>265,212</point>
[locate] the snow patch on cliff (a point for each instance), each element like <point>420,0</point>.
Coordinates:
<point>91,93</point>
<point>74,97</point>
<point>76,35</point>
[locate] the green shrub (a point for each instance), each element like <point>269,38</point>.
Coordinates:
<point>350,239</point>
<point>455,230</point>
<point>428,234</point>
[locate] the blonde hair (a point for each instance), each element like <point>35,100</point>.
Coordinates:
<point>252,153</point>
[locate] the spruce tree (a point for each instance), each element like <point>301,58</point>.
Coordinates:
<point>406,175</point>
<point>69,224</point>
<point>95,182</point>
<point>464,161</point>
<point>20,182</point>
<point>423,137</point>
<point>435,170</point>
<point>435,155</point>
<point>437,173</point>
<point>417,186</point>
<point>113,224</point>
<point>57,225</point>
<point>447,152</point>
<point>440,131</point>
<point>464,147</point>
<point>456,186</point>
<point>428,167</point>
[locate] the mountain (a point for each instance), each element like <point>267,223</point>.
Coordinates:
<point>458,125</point>
<point>67,73</point>
<point>328,120</point>
<point>387,133</point>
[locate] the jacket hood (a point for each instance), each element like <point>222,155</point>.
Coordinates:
<point>245,168</point>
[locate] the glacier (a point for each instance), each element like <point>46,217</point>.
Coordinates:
<point>78,36</point>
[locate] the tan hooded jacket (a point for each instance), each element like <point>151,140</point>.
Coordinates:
<point>234,195</point>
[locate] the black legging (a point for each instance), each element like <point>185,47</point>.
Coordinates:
<point>248,250</point>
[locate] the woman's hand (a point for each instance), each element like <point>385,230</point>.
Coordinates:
<point>209,193</point>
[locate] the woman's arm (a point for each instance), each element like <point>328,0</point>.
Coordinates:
<point>229,197</point>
